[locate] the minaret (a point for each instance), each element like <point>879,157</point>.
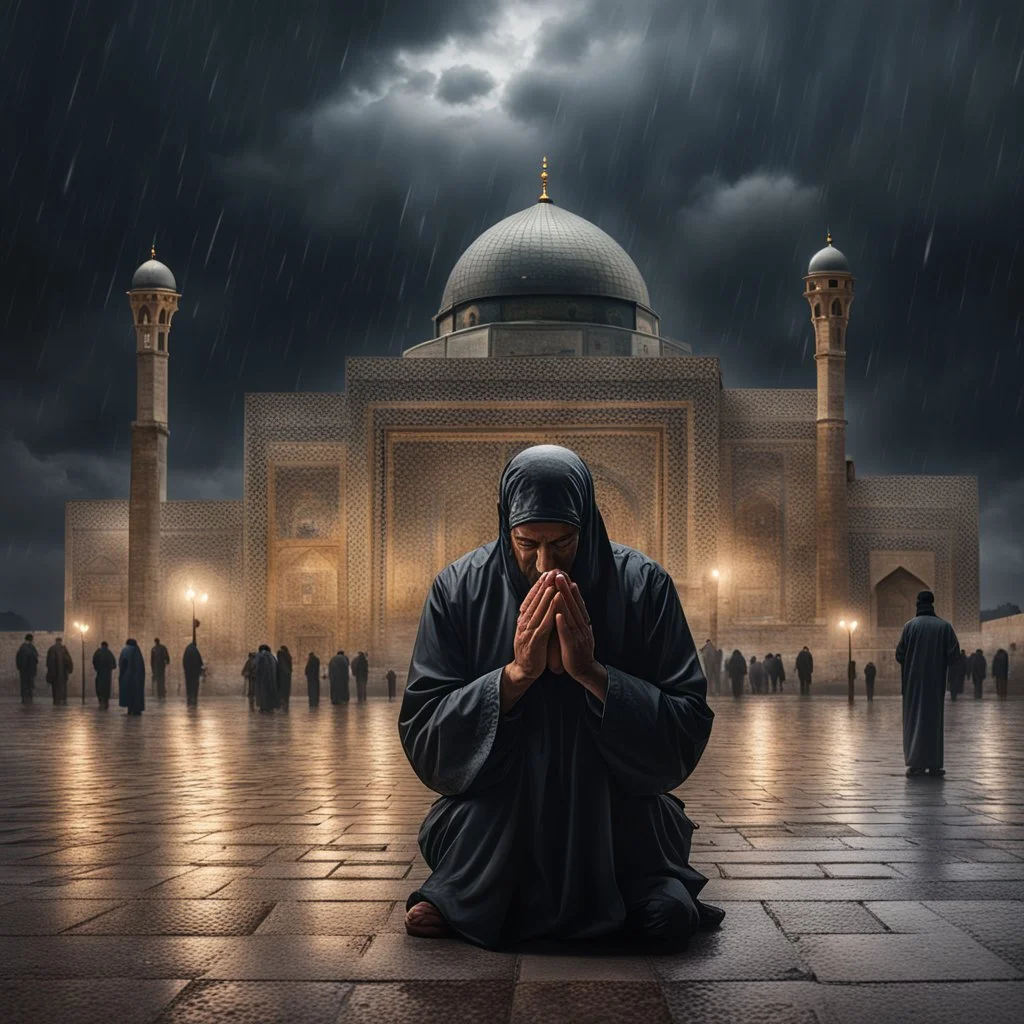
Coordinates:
<point>154,301</point>
<point>828,288</point>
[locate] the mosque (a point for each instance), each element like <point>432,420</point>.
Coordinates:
<point>546,333</point>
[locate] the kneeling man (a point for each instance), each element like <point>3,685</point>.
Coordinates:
<point>554,699</point>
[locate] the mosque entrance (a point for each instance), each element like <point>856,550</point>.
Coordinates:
<point>896,598</point>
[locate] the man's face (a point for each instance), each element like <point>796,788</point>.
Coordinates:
<point>540,547</point>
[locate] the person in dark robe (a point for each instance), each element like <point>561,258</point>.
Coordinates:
<point>27,663</point>
<point>869,679</point>
<point>159,659</point>
<point>851,679</point>
<point>392,683</point>
<point>555,762</point>
<point>265,678</point>
<point>781,671</point>
<point>192,667</point>
<point>313,680</point>
<point>284,676</point>
<point>804,671</point>
<point>1001,672</point>
<point>956,675</point>
<point>248,676</point>
<point>337,675</point>
<point>361,670</point>
<point>771,671</point>
<point>979,670</point>
<point>736,669</point>
<point>58,667</point>
<point>104,662</point>
<point>711,657</point>
<point>131,678</point>
<point>758,676</point>
<point>925,651</point>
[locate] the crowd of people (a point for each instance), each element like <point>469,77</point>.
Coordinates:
<point>267,678</point>
<point>768,674</point>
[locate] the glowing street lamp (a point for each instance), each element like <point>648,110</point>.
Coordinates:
<point>849,627</point>
<point>82,628</point>
<point>190,595</point>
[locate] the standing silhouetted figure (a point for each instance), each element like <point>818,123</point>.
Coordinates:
<point>851,679</point>
<point>131,678</point>
<point>248,670</point>
<point>264,673</point>
<point>710,656</point>
<point>159,659</point>
<point>313,680</point>
<point>780,669</point>
<point>771,670</point>
<point>58,667</point>
<point>104,662</point>
<point>758,676</point>
<point>192,667</point>
<point>284,676</point>
<point>804,671</point>
<point>1001,672</point>
<point>869,679</point>
<point>361,670</point>
<point>926,649</point>
<point>27,663</point>
<point>736,669</point>
<point>956,675</point>
<point>979,670</point>
<point>337,675</point>
<point>392,682</point>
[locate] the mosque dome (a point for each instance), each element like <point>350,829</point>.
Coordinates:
<point>544,250</point>
<point>829,258</point>
<point>154,274</point>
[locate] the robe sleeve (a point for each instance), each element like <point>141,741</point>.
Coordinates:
<point>451,724</point>
<point>652,732</point>
<point>952,646</point>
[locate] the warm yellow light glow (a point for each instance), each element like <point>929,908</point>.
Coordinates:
<point>853,625</point>
<point>714,574</point>
<point>203,599</point>
<point>842,623</point>
<point>189,594</point>
<point>81,627</point>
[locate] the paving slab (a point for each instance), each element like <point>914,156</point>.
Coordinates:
<point>257,1002</point>
<point>86,1001</point>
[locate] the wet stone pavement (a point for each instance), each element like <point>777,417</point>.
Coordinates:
<point>218,865</point>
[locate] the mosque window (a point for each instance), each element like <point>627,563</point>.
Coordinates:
<point>146,340</point>
<point>817,309</point>
<point>837,308</point>
<point>162,318</point>
<point>471,320</point>
<point>811,286</point>
<point>161,341</point>
<point>144,315</point>
<point>833,282</point>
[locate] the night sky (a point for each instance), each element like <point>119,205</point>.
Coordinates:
<point>311,171</point>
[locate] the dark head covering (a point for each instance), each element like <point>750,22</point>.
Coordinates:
<point>551,484</point>
<point>925,603</point>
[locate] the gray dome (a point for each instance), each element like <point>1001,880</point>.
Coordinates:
<point>153,274</point>
<point>544,250</point>
<point>829,258</point>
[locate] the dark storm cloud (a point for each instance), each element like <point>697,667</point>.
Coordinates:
<point>463,84</point>
<point>310,186</point>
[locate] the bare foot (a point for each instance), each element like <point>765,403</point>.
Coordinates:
<point>424,920</point>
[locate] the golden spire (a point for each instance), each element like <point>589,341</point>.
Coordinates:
<point>152,251</point>
<point>828,237</point>
<point>544,197</point>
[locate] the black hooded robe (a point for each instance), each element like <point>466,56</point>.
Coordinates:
<point>27,662</point>
<point>284,677</point>
<point>104,662</point>
<point>736,667</point>
<point>337,675</point>
<point>313,680</point>
<point>131,678</point>
<point>264,674</point>
<point>556,818</point>
<point>192,667</point>
<point>927,647</point>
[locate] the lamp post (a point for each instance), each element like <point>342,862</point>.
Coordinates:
<point>190,595</point>
<point>849,627</point>
<point>82,628</point>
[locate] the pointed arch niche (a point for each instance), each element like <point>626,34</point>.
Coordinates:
<point>896,579</point>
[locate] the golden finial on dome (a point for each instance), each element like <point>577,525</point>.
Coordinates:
<point>544,197</point>
<point>828,237</point>
<point>152,251</point>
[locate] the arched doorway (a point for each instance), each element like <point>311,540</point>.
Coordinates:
<point>896,598</point>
